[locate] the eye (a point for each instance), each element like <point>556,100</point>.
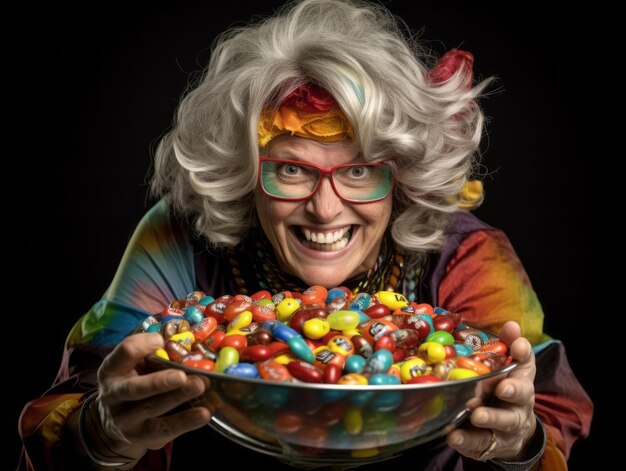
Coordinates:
<point>358,172</point>
<point>290,169</point>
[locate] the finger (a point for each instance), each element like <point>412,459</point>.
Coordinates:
<point>516,391</point>
<point>163,403</point>
<point>127,354</point>
<point>509,332</point>
<point>522,353</point>
<point>502,419</point>
<point>469,442</point>
<point>145,386</point>
<point>158,432</point>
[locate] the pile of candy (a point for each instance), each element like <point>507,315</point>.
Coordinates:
<point>325,336</point>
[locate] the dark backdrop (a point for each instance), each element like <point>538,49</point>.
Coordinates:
<point>97,86</point>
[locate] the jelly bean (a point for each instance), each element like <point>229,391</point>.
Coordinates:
<point>392,300</point>
<point>450,351</point>
<point>379,362</point>
<point>175,326</point>
<point>374,329</point>
<point>440,336</point>
<point>262,313</point>
<point>361,301</point>
<point>377,311</point>
<point>273,371</point>
<point>381,379</point>
<point>162,353</point>
<point>243,370</point>
<point>258,352</point>
<point>286,308</point>
<point>226,357</point>
<point>462,350</point>
<point>494,348</point>
<point>353,379</point>
<point>184,338</point>
<point>204,364</point>
<point>236,341</point>
<point>175,350</point>
<point>432,352</point>
<point>260,337</point>
<point>324,357</point>
<point>243,319</point>
<point>259,295</point>
<point>385,342</point>
<point>332,373</point>
<point>215,339</point>
<point>341,344</point>
<point>315,294</point>
<point>353,420</point>
<point>385,401</point>
<point>343,320</point>
<point>193,314</point>
<point>302,315</point>
<point>304,371</point>
<point>172,312</point>
<point>423,308</point>
<point>208,352</point>
<point>289,421</point>
<point>153,328</point>
<point>405,338</point>
<point>365,453</point>
<point>335,293</point>
<point>315,328</point>
<point>284,358</point>
<point>236,307</point>
<point>300,348</point>
<point>354,364</point>
<point>203,329</point>
<point>361,346</point>
<point>474,365</point>
<point>424,379</point>
<point>411,368</point>
<point>457,374</point>
<point>471,337</point>
<point>443,368</point>
<point>206,300</point>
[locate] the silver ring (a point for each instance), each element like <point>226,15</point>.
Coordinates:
<point>492,445</point>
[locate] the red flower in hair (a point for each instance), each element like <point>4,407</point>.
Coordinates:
<point>311,98</point>
<point>450,63</point>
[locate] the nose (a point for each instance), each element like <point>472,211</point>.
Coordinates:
<point>325,204</point>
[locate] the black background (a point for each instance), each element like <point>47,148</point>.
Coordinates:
<point>97,86</point>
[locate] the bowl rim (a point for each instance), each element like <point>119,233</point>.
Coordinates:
<point>296,384</point>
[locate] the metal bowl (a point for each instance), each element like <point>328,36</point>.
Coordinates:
<point>318,425</point>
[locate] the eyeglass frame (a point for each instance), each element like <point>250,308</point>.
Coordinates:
<point>325,171</point>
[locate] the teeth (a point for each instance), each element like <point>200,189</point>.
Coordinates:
<point>326,237</point>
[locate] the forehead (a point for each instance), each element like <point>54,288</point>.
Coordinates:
<point>309,150</point>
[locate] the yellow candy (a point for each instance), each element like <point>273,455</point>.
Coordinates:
<point>286,308</point>
<point>243,319</point>
<point>226,357</point>
<point>268,303</point>
<point>160,352</point>
<point>343,320</point>
<point>284,358</point>
<point>411,368</point>
<point>236,332</point>
<point>392,300</point>
<point>353,420</point>
<point>350,333</point>
<point>365,453</point>
<point>432,352</point>
<point>315,328</point>
<point>186,339</point>
<point>461,373</point>
<point>353,379</point>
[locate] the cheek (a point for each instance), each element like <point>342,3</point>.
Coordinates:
<point>271,214</point>
<point>377,215</point>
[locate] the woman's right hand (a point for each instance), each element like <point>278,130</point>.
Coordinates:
<point>128,417</point>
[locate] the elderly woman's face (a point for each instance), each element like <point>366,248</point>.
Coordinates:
<point>323,240</point>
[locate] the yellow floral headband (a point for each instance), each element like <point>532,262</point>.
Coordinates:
<point>309,111</point>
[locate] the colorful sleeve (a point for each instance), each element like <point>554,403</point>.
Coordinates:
<point>486,283</point>
<point>156,268</point>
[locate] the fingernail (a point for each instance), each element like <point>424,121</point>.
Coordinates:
<point>481,418</point>
<point>507,391</point>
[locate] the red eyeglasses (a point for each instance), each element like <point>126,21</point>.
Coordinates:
<point>292,180</point>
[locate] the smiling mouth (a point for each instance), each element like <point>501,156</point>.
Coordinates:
<point>326,241</point>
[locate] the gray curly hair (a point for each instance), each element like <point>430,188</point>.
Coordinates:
<point>207,165</point>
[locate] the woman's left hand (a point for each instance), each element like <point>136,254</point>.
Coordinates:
<point>504,428</point>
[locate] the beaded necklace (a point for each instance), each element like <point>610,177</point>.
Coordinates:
<point>254,268</point>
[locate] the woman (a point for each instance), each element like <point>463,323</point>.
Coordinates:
<point>318,148</point>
